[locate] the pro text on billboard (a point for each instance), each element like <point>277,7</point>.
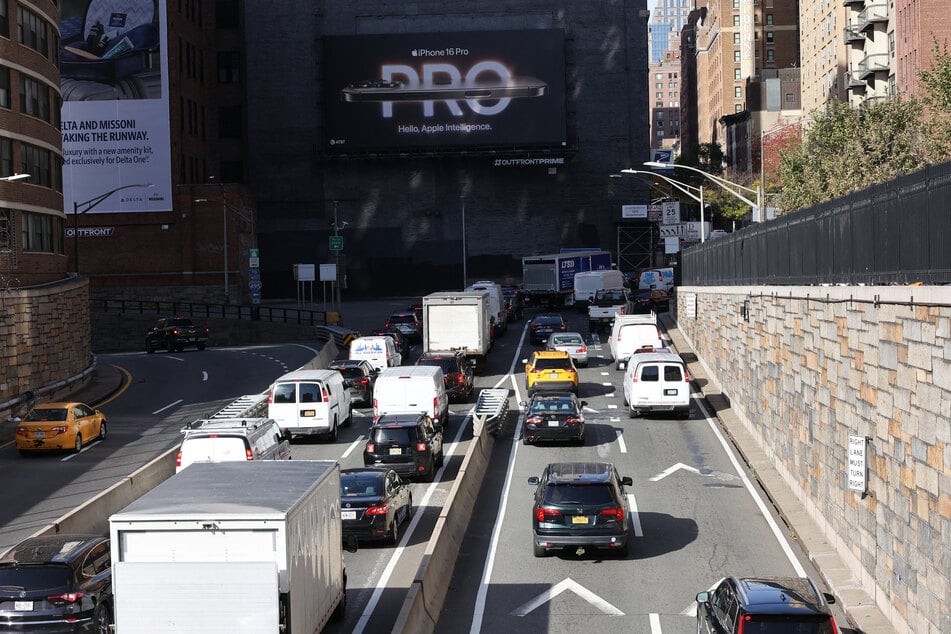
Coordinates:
<point>426,91</point>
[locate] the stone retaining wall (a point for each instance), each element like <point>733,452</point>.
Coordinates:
<point>805,368</point>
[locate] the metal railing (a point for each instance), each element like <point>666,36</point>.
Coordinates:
<point>279,314</point>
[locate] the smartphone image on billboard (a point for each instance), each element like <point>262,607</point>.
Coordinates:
<point>382,90</point>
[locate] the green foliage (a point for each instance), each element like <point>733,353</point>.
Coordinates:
<point>709,158</point>
<point>937,84</point>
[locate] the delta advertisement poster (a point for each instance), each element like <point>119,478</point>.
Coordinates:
<point>115,117</point>
<point>466,90</point>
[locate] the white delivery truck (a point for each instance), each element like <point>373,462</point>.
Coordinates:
<point>232,547</point>
<point>458,321</point>
<point>631,333</point>
<point>587,284</point>
<point>498,313</point>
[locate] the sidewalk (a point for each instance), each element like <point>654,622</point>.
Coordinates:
<point>853,599</point>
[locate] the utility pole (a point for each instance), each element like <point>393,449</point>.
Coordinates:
<point>336,261</point>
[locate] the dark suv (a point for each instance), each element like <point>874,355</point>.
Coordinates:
<point>456,371</point>
<point>359,377</point>
<point>409,444</point>
<point>57,583</point>
<point>578,505</point>
<point>407,323</point>
<point>765,605</point>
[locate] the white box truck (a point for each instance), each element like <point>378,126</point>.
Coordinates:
<point>458,321</point>
<point>232,547</point>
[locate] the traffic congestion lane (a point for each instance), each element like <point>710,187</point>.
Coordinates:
<point>698,522</point>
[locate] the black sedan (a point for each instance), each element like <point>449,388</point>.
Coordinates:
<point>544,325</point>
<point>358,377</point>
<point>554,416</point>
<point>373,504</point>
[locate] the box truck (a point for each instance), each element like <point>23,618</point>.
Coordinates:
<point>549,280</point>
<point>232,547</point>
<point>458,321</point>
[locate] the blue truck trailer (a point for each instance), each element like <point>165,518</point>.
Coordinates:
<point>548,280</point>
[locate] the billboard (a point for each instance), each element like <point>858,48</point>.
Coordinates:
<point>425,91</point>
<point>115,118</point>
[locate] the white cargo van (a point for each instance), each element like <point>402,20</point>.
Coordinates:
<point>631,332</point>
<point>411,390</point>
<point>379,351</point>
<point>231,439</point>
<point>497,310</point>
<point>656,382</point>
<point>657,278</point>
<point>590,282</point>
<point>310,402</point>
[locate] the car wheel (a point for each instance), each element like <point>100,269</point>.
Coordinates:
<point>102,430</point>
<point>440,459</point>
<point>332,434</point>
<point>349,418</point>
<point>580,441</point>
<point>201,346</point>
<point>538,551</point>
<point>631,412</point>
<point>170,345</point>
<point>526,441</point>
<point>78,445</point>
<point>148,347</point>
<point>394,535</point>
<point>102,620</point>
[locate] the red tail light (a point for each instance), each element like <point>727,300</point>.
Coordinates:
<point>206,331</point>
<point>270,398</point>
<point>323,395</point>
<point>420,446</point>
<point>573,420</point>
<point>618,513</point>
<point>248,454</point>
<point>362,381</point>
<point>66,597</point>
<point>386,325</point>
<point>535,420</point>
<point>583,349</point>
<point>378,510</point>
<point>371,447</point>
<point>21,431</point>
<point>59,429</point>
<point>686,376</point>
<point>541,512</point>
<point>178,460</point>
<point>563,327</point>
<point>174,331</point>
<point>435,405</point>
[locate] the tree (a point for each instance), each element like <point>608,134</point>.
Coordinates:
<point>937,98</point>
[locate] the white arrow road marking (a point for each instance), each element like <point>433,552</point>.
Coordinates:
<point>669,470</point>
<point>588,409</point>
<point>620,441</point>
<point>558,588</point>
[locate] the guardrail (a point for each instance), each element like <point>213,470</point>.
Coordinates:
<point>213,311</point>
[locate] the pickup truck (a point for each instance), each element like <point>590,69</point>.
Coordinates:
<point>174,333</point>
<point>604,306</point>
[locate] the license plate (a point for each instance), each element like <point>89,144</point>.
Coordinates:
<point>308,413</point>
<point>39,433</point>
<point>579,519</point>
<point>23,606</point>
<point>348,515</point>
<point>670,392</point>
<point>395,451</point>
<point>553,375</point>
<point>553,423</point>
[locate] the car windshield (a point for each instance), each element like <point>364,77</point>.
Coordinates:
<point>546,320</point>
<point>448,364</point>
<point>34,577</point>
<point>395,435</point>
<point>610,296</point>
<point>181,321</point>
<point>552,364</point>
<point>584,494</point>
<point>553,405</point>
<point>47,414</point>
<point>403,319</point>
<point>360,484</point>
<point>795,624</point>
<point>566,341</point>
<point>351,373</point>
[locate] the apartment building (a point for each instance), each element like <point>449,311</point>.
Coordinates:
<point>664,81</point>
<point>918,25</point>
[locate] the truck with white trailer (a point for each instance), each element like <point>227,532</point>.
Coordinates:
<point>458,321</point>
<point>549,280</point>
<point>232,547</point>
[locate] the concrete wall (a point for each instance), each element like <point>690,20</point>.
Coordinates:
<point>805,368</point>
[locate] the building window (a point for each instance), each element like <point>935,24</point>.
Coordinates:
<point>769,37</point>
<point>737,74</point>
<point>659,96</point>
<point>34,98</point>
<point>738,92</point>
<point>770,55</point>
<point>4,20</point>
<point>738,108</point>
<point>769,19</point>
<point>659,76</point>
<point>230,124</point>
<point>4,87</point>
<point>891,44</point>
<point>32,31</point>
<point>229,67</point>
<point>736,4</point>
<point>227,14</point>
<point>736,20</point>
<point>659,86</point>
<point>737,39</point>
<point>6,157</point>
<point>6,230</point>
<point>736,57</point>
<point>790,97</point>
<point>42,233</point>
<point>35,161</point>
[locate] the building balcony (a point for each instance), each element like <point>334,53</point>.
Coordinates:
<point>850,2</point>
<point>852,81</point>
<point>872,14</point>
<point>853,34</point>
<point>871,64</point>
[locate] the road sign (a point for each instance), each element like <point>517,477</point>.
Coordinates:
<point>254,274</point>
<point>255,285</point>
<point>672,231</point>
<point>336,243</point>
<point>253,253</point>
<point>671,212</point>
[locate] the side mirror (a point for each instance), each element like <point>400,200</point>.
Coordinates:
<point>525,361</point>
<point>523,403</point>
<point>703,597</point>
<point>830,599</point>
<point>627,481</point>
<point>534,480</point>
<point>584,403</point>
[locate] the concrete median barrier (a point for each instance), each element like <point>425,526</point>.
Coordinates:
<point>427,593</point>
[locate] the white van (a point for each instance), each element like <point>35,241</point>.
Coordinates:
<point>232,439</point>
<point>497,310</point>
<point>656,278</point>
<point>379,351</point>
<point>631,332</point>
<point>310,402</point>
<point>656,382</point>
<point>411,390</point>
<point>590,282</point>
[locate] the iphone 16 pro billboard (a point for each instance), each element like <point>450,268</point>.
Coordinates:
<point>425,91</point>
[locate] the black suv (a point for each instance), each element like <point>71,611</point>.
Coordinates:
<point>456,371</point>
<point>578,505</point>
<point>59,583</point>
<point>761,605</point>
<point>359,377</point>
<point>407,323</point>
<point>409,444</point>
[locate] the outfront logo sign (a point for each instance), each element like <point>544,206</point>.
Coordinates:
<point>426,90</point>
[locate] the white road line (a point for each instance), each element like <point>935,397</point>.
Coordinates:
<point>608,384</point>
<point>204,375</point>
<point>612,406</point>
<point>620,441</point>
<point>635,516</point>
<point>655,623</point>
<point>783,542</point>
<point>159,411</point>
<point>605,374</point>
<point>73,455</point>
<point>352,446</point>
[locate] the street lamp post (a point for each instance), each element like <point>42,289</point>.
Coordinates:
<point>225,207</point>
<point>683,187</point>
<point>729,186</point>
<point>465,255</point>
<point>89,205</point>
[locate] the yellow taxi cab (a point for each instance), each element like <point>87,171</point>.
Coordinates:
<point>59,426</point>
<point>550,370</point>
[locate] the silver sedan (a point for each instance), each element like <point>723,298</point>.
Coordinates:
<point>572,343</point>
